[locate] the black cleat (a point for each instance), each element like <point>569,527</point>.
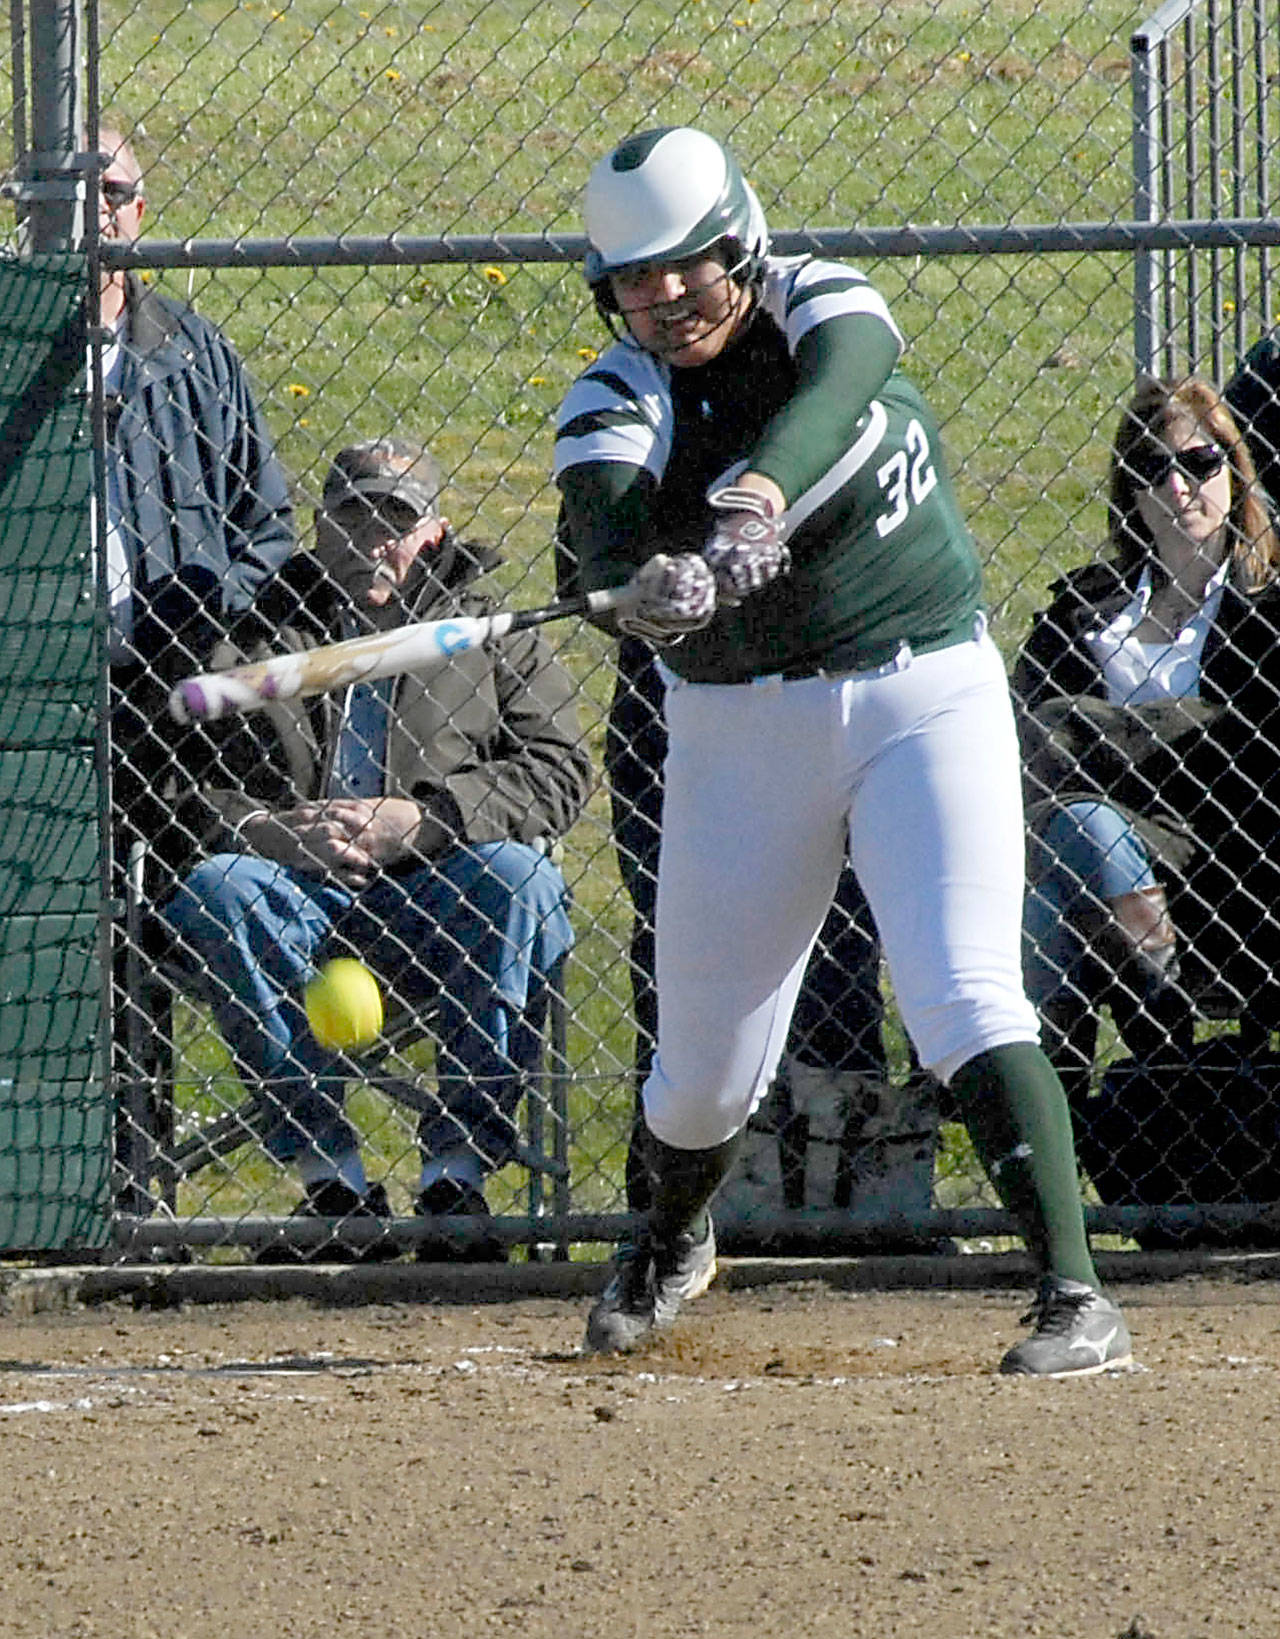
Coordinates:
<point>650,1281</point>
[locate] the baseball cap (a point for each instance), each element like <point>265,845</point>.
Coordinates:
<point>383,468</point>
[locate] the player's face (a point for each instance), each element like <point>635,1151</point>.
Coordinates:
<point>372,554</point>
<point>683,312</point>
<point>1184,492</point>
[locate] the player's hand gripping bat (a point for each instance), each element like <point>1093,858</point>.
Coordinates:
<point>427,643</point>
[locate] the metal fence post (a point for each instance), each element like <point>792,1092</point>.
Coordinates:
<point>52,194</point>
<point>1148,71</point>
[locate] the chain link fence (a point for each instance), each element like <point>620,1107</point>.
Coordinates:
<point>379,205</point>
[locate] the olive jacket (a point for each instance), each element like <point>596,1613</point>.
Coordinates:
<point>489,743</point>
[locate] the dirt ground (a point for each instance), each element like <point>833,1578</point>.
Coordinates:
<point>791,1460</point>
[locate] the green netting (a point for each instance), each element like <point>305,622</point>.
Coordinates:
<point>55,1127</point>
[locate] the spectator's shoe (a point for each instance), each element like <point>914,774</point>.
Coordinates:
<point>448,1198</point>
<point>333,1199</point>
<point>651,1280</point>
<point>1077,1332</point>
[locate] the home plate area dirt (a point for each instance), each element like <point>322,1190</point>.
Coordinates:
<point>790,1460</point>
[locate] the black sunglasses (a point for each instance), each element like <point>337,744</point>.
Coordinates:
<point>1197,465</point>
<point>119,193</point>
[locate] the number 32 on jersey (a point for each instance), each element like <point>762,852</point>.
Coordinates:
<point>905,479</point>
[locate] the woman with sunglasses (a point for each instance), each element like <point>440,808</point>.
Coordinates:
<point>1149,697</point>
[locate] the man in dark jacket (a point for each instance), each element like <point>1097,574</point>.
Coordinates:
<point>197,516</point>
<point>198,511</point>
<point>410,831</point>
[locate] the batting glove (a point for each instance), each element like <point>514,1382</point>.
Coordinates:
<point>747,548</point>
<point>672,596</point>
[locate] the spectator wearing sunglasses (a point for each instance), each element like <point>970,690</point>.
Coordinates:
<point>1149,698</point>
<point>198,512</point>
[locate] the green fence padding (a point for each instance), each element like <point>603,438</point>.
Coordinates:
<point>49,1002</point>
<point>45,437</point>
<point>55,1120</point>
<point>49,803</point>
<point>55,1140</point>
<point>46,627</point>
<point>55,1109</point>
<point>39,717</point>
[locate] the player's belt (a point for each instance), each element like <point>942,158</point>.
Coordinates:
<point>853,656</point>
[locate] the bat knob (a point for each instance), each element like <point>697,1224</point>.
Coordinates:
<point>187,701</point>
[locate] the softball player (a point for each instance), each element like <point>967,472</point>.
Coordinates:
<point>749,458</point>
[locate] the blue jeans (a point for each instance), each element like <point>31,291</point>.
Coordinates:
<point>1082,855</point>
<point>475,934</point>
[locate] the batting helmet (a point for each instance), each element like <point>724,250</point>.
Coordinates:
<point>665,195</point>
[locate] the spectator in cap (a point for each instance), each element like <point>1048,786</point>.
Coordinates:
<point>404,822</point>
<point>387,467</point>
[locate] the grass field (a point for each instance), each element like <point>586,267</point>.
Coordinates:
<point>321,117</point>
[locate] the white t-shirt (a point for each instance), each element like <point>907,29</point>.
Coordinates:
<point>119,570</point>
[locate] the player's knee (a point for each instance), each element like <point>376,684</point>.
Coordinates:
<point>694,1117</point>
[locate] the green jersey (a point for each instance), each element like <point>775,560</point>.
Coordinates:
<point>808,394</point>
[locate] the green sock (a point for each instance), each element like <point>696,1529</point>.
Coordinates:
<point>1013,1105</point>
<point>682,1183</point>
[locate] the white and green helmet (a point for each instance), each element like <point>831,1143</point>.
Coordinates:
<point>665,195</point>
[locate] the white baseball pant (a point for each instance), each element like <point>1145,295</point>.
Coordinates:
<point>913,769</point>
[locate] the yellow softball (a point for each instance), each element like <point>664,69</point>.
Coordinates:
<point>344,1005</point>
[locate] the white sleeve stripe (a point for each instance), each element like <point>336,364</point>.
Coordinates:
<point>838,304</point>
<point>808,270</point>
<point>857,455</point>
<point>628,445</point>
<point>587,397</point>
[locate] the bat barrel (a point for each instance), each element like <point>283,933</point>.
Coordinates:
<point>211,695</point>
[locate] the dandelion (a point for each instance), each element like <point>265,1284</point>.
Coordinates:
<point>495,276</point>
<point>537,381</point>
<point>589,354</point>
<point>393,74</point>
<point>299,390</point>
<point>1228,307</point>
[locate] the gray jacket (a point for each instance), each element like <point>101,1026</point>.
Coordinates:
<point>490,744</point>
